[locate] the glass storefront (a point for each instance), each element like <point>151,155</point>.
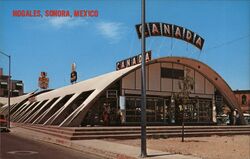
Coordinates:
<point>104,112</point>
<point>160,111</point>
<point>167,111</point>
<point>155,110</point>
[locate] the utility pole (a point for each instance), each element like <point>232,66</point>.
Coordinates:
<point>9,87</point>
<point>143,85</point>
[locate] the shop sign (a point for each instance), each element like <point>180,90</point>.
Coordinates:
<point>133,61</point>
<point>73,74</point>
<point>171,30</point>
<point>111,94</point>
<point>122,102</point>
<point>43,80</point>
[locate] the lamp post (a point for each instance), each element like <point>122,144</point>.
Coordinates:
<point>8,88</point>
<point>143,85</point>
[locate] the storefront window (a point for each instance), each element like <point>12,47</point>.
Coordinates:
<point>172,73</point>
<point>154,110</point>
<point>194,111</point>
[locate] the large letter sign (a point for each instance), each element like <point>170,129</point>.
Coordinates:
<point>133,61</point>
<point>171,30</point>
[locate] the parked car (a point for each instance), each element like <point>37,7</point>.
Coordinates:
<point>247,118</point>
<point>3,123</point>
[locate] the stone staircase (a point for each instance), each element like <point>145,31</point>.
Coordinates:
<point>132,132</point>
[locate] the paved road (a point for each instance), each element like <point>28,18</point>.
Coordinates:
<point>15,147</point>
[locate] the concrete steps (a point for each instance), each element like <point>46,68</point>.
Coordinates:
<point>127,132</point>
<point>158,135</point>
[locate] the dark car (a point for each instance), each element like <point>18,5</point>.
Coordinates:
<point>3,123</point>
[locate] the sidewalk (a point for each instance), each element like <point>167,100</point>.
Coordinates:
<point>101,148</point>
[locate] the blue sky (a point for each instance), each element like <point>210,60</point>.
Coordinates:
<point>95,44</point>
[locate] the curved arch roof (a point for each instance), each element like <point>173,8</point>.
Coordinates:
<point>100,83</point>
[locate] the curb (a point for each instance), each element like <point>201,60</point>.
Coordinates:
<point>67,143</point>
<point>91,146</point>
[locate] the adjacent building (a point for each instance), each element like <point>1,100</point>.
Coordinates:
<point>16,86</point>
<point>243,97</point>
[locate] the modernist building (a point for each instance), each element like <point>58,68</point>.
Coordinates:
<point>16,86</point>
<point>85,102</point>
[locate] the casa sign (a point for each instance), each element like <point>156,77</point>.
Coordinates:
<point>133,61</point>
<point>171,30</point>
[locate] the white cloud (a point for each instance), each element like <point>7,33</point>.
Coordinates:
<point>111,30</point>
<point>59,22</point>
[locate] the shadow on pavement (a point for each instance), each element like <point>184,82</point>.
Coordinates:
<point>158,155</point>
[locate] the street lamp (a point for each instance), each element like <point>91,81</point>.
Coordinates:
<point>8,88</point>
<point>143,85</point>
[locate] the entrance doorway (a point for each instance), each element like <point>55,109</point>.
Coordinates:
<point>197,110</point>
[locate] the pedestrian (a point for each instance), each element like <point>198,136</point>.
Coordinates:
<point>105,118</point>
<point>237,118</point>
<point>234,116</point>
<point>119,117</point>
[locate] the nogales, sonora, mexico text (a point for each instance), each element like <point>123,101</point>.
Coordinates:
<point>171,30</point>
<point>54,13</point>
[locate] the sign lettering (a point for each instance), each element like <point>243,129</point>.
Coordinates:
<point>171,30</point>
<point>133,61</point>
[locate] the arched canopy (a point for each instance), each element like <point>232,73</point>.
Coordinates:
<point>49,110</point>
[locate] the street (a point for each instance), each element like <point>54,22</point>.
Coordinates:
<point>15,147</point>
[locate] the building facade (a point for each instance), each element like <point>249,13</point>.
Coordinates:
<point>114,98</point>
<point>16,86</point>
<point>243,97</point>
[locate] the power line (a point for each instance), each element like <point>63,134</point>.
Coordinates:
<point>221,45</point>
<point>226,43</point>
